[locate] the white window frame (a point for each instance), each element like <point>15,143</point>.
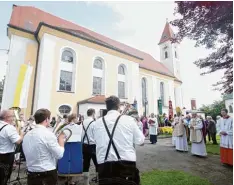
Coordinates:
<point>65,105</point>
<point>123,78</point>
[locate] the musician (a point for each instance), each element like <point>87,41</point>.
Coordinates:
<point>115,136</point>
<point>41,150</point>
<point>89,147</point>
<point>8,138</point>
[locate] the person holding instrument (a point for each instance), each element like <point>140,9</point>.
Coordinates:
<point>8,138</point>
<point>115,136</point>
<point>41,150</point>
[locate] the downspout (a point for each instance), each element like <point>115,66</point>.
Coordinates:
<point>35,76</point>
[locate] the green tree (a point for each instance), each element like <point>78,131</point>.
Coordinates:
<point>210,24</point>
<point>214,109</point>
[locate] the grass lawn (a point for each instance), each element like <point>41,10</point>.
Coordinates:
<point>212,149</point>
<point>158,177</point>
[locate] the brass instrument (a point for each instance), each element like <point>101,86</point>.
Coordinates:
<point>17,118</point>
<point>58,129</point>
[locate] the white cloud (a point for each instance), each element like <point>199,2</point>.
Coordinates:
<point>145,21</point>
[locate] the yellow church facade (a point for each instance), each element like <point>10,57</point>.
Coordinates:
<point>74,69</point>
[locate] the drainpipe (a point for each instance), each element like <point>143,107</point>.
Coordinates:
<point>35,76</point>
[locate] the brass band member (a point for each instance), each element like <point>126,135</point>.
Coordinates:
<point>41,150</point>
<point>115,136</point>
<point>89,147</point>
<point>8,138</point>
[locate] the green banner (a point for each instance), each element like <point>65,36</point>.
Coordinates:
<point>160,107</point>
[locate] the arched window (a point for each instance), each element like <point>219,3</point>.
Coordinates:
<point>67,56</point>
<point>166,54</point>
<point>162,92</point>
<point>64,109</point>
<point>143,87</point>
<point>67,70</point>
<point>175,54</point>
<point>121,70</point>
<point>122,81</point>
<point>230,109</point>
<point>98,76</point>
<point>97,64</point>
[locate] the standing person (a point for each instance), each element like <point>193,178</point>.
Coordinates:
<point>212,129</point>
<point>226,140</point>
<point>207,131</point>
<point>42,149</point>
<point>196,136</point>
<point>204,127</point>
<point>180,134</point>
<point>145,126</point>
<point>89,147</point>
<point>153,129</point>
<point>187,125</point>
<point>115,136</point>
<point>8,138</point>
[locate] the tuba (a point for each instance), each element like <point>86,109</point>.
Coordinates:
<point>58,129</point>
<point>17,118</point>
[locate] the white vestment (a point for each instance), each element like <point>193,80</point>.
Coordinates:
<point>153,127</point>
<point>173,137</point>
<point>226,126</point>
<point>198,148</point>
<point>181,142</point>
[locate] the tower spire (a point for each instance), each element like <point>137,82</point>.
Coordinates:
<point>167,34</point>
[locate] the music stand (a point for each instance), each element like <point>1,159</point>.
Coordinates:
<point>17,180</point>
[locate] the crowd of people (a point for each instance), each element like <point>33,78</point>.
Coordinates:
<point>109,141</point>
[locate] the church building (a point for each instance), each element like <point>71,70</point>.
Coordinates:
<point>61,66</point>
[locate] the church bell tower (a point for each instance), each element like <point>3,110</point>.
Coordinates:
<point>169,52</point>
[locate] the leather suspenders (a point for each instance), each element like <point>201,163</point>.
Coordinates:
<point>85,130</point>
<point>3,127</point>
<point>111,142</point>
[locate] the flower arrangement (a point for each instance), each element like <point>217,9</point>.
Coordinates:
<point>165,130</point>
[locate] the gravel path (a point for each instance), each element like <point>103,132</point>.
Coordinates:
<point>163,156</point>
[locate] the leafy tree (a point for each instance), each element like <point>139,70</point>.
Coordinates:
<point>209,23</point>
<point>214,109</point>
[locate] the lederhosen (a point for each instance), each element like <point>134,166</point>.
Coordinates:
<point>6,165</point>
<point>89,151</point>
<point>119,172</point>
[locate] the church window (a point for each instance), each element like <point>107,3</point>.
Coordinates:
<point>98,77</point>
<point>144,89</point>
<point>65,81</point>
<point>122,81</point>
<point>97,85</point>
<point>175,54</point>
<point>230,109</point>
<point>64,109</point>
<point>121,70</point>
<point>162,92</point>
<point>166,54</point>
<point>97,64</point>
<point>67,56</point>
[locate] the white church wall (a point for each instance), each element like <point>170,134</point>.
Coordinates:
<point>16,58</point>
<point>84,107</point>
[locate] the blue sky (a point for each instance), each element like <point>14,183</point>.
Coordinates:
<point>138,24</point>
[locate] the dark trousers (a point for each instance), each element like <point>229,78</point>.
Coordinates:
<point>213,136</point>
<point>209,135</point>
<point>43,178</point>
<point>89,152</point>
<point>153,139</point>
<point>118,173</point>
<point>6,165</point>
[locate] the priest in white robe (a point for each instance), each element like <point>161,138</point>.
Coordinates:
<point>226,140</point>
<point>181,137</point>
<point>196,136</point>
<point>153,129</point>
<point>173,124</point>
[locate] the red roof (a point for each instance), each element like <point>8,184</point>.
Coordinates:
<point>28,18</point>
<point>167,34</point>
<point>99,99</point>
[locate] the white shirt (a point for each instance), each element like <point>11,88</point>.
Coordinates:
<point>153,127</point>
<point>90,131</point>
<point>126,135</point>
<point>76,132</point>
<point>226,126</point>
<point>41,149</point>
<point>8,138</point>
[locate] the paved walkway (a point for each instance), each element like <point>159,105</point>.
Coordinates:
<point>164,157</point>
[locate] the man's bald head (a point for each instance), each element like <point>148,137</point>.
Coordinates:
<point>7,116</point>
